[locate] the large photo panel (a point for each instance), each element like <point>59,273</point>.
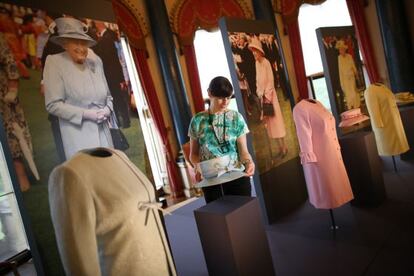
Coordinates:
<point>42,130</point>
<point>343,71</point>
<point>264,97</point>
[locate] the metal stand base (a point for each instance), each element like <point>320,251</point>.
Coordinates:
<point>334,227</point>
<point>393,162</point>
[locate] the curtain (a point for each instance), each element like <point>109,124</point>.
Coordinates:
<point>140,56</point>
<point>192,69</point>
<point>189,15</point>
<point>356,11</point>
<point>297,54</point>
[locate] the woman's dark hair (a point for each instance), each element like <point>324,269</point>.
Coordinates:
<point>220,87</point>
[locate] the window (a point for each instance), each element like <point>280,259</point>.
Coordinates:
<point>211,59</point>
<point>13,238</point>
<point>328,14</point>
<point>152,139</point>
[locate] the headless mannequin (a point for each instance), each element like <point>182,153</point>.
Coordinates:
<point>333,226</point>
<point>380,83</point>
<point>112,211</point>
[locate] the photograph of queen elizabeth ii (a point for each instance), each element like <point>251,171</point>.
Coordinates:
<point>76,90</point>
<point>263,94</point>
<point>64,83</point>
<point>342,68</point>
<point>263,86</point>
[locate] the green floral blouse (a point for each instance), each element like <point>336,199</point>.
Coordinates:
<point>208,131</point>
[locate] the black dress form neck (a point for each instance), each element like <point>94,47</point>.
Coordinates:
<point>311,101</point>
<point>98,152</point>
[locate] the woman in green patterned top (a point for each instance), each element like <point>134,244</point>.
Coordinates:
<point>218,132</point>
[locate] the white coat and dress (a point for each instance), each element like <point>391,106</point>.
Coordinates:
<point>386,120</point>
<point>326,177</point>
<point>72,88</point>
<point>105,218</point>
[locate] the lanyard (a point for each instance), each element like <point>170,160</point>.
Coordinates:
<point>224,145</point>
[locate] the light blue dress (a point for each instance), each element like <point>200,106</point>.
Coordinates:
<point>72,88</point>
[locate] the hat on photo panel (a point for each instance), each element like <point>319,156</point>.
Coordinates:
<point>341,44</point>
<point>71,28</point>
<point>219,170</point>
<point>255,44</point>
<point>352,117</point>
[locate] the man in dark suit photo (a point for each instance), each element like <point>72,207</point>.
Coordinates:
<point>107,51</point>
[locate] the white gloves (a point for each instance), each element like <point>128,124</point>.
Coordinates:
<point>97,115</point>
<point>106,112</point>
<point>92,115</point>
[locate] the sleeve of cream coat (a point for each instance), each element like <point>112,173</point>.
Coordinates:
<point>269,87</point>
<point>354,69</point>
<point>341,69</point>
<point>55,94</point>
<point>73,216</point>
<point>373,109</point>
<point>259,83</point>
<point>304,132</point>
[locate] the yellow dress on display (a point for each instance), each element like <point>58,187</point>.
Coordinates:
<point>386,120</point>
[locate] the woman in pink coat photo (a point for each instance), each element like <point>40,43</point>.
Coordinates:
<point>266,93</point>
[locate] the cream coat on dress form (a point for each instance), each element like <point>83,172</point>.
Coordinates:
<point>347,73</point>
<point>275,125</point>
<point>72,88</point>
<point>326,177</point>
<point>99,226</point>
<point>386,120</point>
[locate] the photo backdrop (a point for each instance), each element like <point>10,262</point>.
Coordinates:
<point>343,71</point>
<point>27,32</point>
<point>260,82</point>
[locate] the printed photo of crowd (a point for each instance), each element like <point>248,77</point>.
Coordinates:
<point>64,87</point>
<point>263,86</point>
<point>31,41</point>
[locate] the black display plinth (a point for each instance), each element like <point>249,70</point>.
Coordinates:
<point>407,118</point>
<point>364,168</point>
<point>233,238</point>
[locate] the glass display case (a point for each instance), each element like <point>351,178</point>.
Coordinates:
<point>18,253</point>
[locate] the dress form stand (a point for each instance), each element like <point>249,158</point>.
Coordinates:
<point>334,227</point>
<point>393,162</point>
<point>222,190</point>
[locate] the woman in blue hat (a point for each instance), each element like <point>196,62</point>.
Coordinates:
<point>76,90</point>
<point>218,145</point>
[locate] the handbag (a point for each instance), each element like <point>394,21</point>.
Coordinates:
<point>118,138</point>
<point>268,109</point>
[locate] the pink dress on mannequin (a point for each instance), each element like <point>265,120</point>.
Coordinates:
<point>326,178</point>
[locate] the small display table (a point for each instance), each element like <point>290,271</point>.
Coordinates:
<point>364,168</point>
<point>233,237</point>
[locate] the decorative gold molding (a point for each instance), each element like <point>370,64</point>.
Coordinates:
<point>200,20</point>
<point>138,15</point>
<point>289,9</point>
